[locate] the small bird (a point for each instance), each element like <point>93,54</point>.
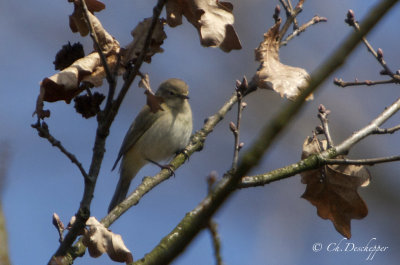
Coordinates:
<point>154,136</point>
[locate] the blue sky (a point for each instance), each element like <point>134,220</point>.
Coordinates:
<point>264,225</point>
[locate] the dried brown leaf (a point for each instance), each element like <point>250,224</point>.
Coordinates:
<point>139,34</point>
<point>213,20</point>
<point>77,21</point>
<point>286,80</point>
<point>333,189</point>
<point>99,240</point>
<point>153,101</point>
<point>65,85</point>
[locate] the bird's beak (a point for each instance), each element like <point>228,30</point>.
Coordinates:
<point>184,96</point>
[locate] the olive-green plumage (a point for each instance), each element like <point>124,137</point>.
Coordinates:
<point>154,136</point>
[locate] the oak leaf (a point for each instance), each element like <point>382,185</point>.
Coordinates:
<point>153,101</point>
<point>284,79</point>
<point>98,239</point>
<point>212,19</point>
<point>139,34</point>
<point>65,85</point>
<point>77,21</point>
<point>333,189</point>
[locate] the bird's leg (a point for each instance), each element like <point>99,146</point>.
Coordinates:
<point>184,152</point>
<point>169,167</point>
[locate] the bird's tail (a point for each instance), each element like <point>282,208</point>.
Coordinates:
<point>120,192</point>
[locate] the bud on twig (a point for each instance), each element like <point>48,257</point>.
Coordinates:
<point>276,13</point>
<point>380,54</point>
<point>321,109</point>
<point>350,18</point>
<point>319,129</point>
<point>241,145</point>
<point>232,126</point>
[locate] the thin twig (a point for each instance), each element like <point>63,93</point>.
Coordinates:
<point>109,76</point>
<point>44,132</point>
<point>212,225</point>
<point>295,23</point>
<point>302,28</point>
<point>341,83</point>
<point>323,116</point>
<point>387,130</point>
<point>213,228</point>
<point>378,55</point>
<point>133,72</point>
<point>291,16</point>
<point>286,7</point>
<point>368,161</point>
<point>236,128</point>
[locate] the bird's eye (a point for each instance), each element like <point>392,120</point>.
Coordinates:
<point>171,93</point>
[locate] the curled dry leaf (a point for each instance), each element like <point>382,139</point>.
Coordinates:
<point>139,34</point>
<point>77,21</point>
<point>287,80</point>
<point>153,101</point>
<point>65,85</point>
<point>333,189</point>
<point>213,20</point>
<point>99,240</point>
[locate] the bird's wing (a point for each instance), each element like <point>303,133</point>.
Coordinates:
<point>137,129</point>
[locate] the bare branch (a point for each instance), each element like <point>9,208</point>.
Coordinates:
<point>295,23</point>
<point>377,54</point>
<point>368,161</point>
<point>340,82</point>
<point>291,16</point>
<point>44,132</point>
<point>109,76</point>
<point>240,86</point>
<point>323,116</point>
<point>321,159</point>
<point>302,28</point>
<point>212,225</point>
<point>213,228</point>
<point>387,130</point>
<point>132,73</point>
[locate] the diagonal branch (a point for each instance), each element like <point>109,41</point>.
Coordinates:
<point>44,132</point>
<point>367,161</point>
<point>326,156</point>
<point>176,241</point>
<point>341,83</point>
<point>302,28</point>
<point>387,130</point>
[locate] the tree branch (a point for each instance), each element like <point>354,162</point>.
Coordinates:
<point>291,15</point>
<point>368,161</point>
<point>302,28</point>
<point>341,83</point>
<point>378,55</point>
<point>194,221</point>
<point>326,156</point>
<point>44,132</point>
<point>387,130</point>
